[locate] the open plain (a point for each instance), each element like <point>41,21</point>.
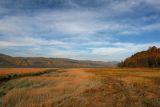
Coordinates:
<point>81,87</point>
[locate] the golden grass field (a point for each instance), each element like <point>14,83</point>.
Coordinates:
<point>81,87</point>
<point>8,71</point>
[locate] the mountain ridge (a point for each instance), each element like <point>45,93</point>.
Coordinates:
<point>9,61</point>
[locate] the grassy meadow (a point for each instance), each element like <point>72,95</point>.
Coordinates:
<point>79,87</point>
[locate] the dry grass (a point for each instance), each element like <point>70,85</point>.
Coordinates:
<point>8,71</point>
<point>85,87</point>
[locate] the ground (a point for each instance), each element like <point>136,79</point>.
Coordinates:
<point>82,87</point>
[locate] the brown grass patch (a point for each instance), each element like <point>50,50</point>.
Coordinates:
<point>85,87</point>
<point>8,71</point>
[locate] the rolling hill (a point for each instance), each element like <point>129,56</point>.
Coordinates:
<point>9,61</point>
<point>148,58</point>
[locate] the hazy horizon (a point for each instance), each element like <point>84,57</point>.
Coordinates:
<point>101,30</point>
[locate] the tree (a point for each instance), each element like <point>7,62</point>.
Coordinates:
<point>148,58</point>
<point>158,60</point>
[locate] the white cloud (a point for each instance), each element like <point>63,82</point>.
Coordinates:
<point>123,6</point>
<point>120,50</point>
<point>107,51</point>
<point>80,33</point>
<point>29,41</point>
<point>75,22</point>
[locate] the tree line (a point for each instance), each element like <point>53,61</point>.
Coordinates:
<point>148,58</point>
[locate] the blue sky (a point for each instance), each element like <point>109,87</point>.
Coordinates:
<point>107,30</point>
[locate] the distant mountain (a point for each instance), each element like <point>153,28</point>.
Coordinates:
<point>149,58</point>
<point>9,61</point>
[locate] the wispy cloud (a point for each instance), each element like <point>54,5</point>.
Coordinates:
<point>83,29</point>
<point>120,51</point>
<point>69,23</point>
<point>29,41</point>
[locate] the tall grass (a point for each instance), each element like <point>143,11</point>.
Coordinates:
<point>98,87</point>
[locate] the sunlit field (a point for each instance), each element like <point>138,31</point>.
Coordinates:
<point>81,87</point>
<point>8,71</point>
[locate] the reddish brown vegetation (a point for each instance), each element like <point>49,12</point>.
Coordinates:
<point>149,58</point>
<point>8,71</point>
<point>9,61</point>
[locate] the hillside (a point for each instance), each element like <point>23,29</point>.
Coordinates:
<point>148,58</point>
<point>9,61</point>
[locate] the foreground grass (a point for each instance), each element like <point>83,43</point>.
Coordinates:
<point>129,87</point>
<point>10,71</point>
<point>7,77</point>
<point>84,87</point>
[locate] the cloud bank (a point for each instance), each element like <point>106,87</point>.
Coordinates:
<point>88,29</point>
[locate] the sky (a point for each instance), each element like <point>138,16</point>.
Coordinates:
<point>103,30</point>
